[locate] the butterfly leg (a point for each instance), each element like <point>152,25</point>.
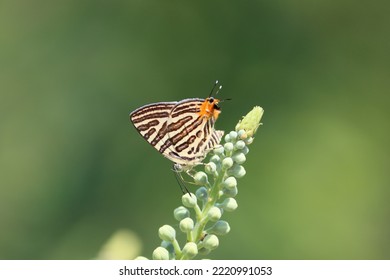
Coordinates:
<point>177,169</point>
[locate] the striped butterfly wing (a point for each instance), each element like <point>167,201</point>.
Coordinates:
<point>178,130</point>
<point>215,139</point>
<point>191,133</point>
<point>151,121</point>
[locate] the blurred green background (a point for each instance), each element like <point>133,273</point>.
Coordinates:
<point>73,170</point>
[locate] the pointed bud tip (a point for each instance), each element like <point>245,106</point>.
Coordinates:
<point>251,121</point>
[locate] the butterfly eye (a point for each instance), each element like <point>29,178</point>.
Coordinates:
<point>211,99</point>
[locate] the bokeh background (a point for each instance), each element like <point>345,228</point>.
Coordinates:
<point>74,171</point>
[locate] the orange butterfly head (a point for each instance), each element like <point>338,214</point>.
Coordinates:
<point>210,108</point>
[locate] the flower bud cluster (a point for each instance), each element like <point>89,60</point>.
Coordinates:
<point>216,194</point>
<point>228,159</point>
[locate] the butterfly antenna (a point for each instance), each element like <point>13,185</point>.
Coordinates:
<point>220,87</point>
<point>214,86</point>
<point>226,99</point>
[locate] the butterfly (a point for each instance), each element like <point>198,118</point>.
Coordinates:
<point>182,131</point>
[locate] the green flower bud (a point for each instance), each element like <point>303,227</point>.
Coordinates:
<point>237,171</point>
<point>227,163</point>
<point>210,242</point>
<point>228,147</point>
<point>180,213</point>
<point>202,194</point>
<point>229,183</point>
<point>190,250</point>
<point>189,200</point>
<point>210,168</point>
<point>204,251</point>
<point>167,233</point>
<point>239,145</point>
<point>216,159</point>
<point>221,228</point>
<point>233,136</point>
<point>242,134</point>
<point>227,138</point>
<point>160,253</point>
<point>251,121</point>
<point>200,178</point>
<point>230,192</point>
<point>141,258</point>
<point>245,150</point>
<point>229,204</point>
<point>219,150</point>
<point>249,140</point>
<point>239,158</point>
<point>214,214</point>
<point>167,245</point>
<point>186,225</point>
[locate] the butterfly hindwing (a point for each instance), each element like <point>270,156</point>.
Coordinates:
<point>215,139</point>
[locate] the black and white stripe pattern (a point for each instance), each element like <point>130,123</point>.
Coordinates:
<point>178,130</point>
